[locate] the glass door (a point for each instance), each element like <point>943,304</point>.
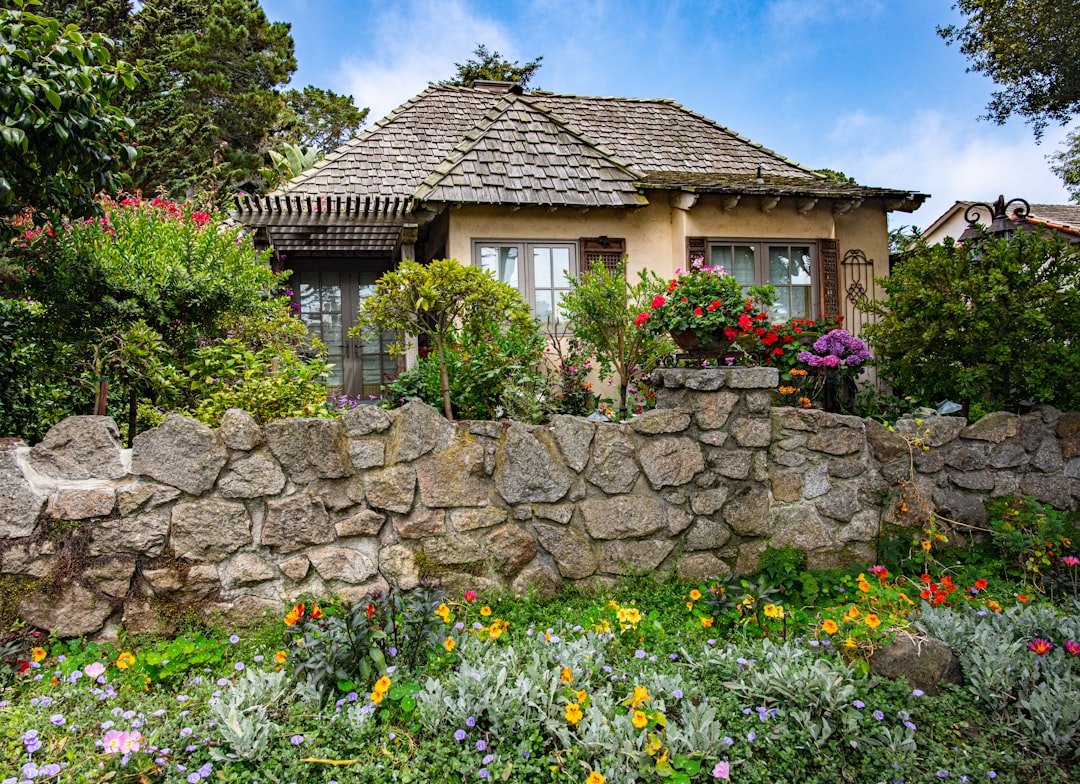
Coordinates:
<point>328,298</point>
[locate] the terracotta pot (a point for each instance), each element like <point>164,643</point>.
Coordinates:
<point>689,342</point>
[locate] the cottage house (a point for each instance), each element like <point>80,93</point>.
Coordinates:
<point>537,186</point>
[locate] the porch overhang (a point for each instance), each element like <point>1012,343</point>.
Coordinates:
<point>327,226</point>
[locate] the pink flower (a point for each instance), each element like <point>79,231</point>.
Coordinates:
<point>94,670</point>
<point>1040,646</point>
<point>113,741</point>
<point>470,596</point>
<point>1072,647</point>
<point>722,771</point>
<point>658,302</point>
<point>130,741</point>
<point>1071,560</point>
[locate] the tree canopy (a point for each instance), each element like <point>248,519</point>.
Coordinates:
<point>492,66</point>
<point>212,97</point>
<point>61,137</point>
<point>1031,49</point>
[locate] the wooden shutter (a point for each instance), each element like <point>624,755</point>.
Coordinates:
<point>608,251</point>
<point>829,263</point>
<point>696,248</point>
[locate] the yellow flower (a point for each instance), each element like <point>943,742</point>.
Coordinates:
<point>628,617</point>
<point>639,719</point>
<point>864,586</point>
<point>376,697</point>
<point>640,695</point>
<point>280,656</point>
<point>485,611</point>
<point>872,620</point>
<point>774,611</point>
<point>689,605</point>
<point>573,713</point>
<point>38,654</point>
<point>497,628</point>
<point>706,623</point>
<point>125,660</point>
<point>449,644</point>
<point>383,684</point>
<point>567,675</point>
<point>926,545</point>
<point>852,613</point>
<point>830,626</point>
<point>994,606</point>
<point>695,594</point>
<point>653,745</point>
<point>849,642</point>
<point>443,612</point>
<point>581,696</point>
<point>595,778</point>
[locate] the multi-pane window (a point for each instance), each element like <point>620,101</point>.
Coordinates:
<point>540,270</point>
<point>786,265</point>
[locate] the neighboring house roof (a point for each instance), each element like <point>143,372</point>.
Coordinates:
<point>1063,218</point>
<point>497,145</point>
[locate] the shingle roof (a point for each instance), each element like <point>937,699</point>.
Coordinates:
<point>526,156</point>
<point>1065,216</point>
<point>456,144</point>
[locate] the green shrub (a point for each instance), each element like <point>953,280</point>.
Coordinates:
<point>988,323</point>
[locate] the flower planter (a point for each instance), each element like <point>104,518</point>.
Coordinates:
<point>689,342</point>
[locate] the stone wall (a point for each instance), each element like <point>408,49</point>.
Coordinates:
<point>245,517</point>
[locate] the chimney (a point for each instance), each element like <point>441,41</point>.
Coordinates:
<point>497,87</point>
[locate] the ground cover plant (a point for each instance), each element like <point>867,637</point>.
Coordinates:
<point>751,679</point>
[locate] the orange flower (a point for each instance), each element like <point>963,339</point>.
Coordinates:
<point>38,654</point>
<point>926,544</point>
<point>125,660</point>
<point>581,696</point>
<point>872,620</point>
<point>639,719</point>
<point>1022,598</point>
<point>377,697</point>
<point>695,594</point>
<point>830,626</point>
<point>573,713</point>
<point>567,675</point>
<point>316,612</point>
<point>449,644</point>
<point>706,623</point>
<point>485,611</point>
<point>280,657</point>
<point>294,615</point>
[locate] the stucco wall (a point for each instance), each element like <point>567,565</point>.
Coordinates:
<point>244,518</point>
<point>656,234</point>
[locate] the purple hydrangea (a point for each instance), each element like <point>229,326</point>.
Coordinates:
<point>836,349</point>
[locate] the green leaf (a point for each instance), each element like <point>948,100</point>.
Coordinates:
<point>52,97</point>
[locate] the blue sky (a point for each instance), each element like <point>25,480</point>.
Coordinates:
<point>862,86</point>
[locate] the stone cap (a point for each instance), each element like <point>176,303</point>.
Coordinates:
<point>711,379</point>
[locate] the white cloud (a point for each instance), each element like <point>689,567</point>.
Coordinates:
<point>416,42</point>
<point>935,153</point>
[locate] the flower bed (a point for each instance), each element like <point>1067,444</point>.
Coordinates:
<point>728,682</point>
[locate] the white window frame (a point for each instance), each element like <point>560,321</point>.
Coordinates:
<point>526,283</point>
<point>761,247</point>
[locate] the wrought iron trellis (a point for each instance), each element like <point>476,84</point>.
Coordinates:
<point>857,275</point>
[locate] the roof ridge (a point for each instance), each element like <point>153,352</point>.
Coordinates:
<point>491,118</point>
<point>573,130</point>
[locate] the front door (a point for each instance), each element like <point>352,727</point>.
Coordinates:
<point>328,297</point>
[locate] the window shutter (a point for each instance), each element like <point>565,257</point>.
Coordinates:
<point>829,261</point>
<point>607,251</point>
<point>696,248</point>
